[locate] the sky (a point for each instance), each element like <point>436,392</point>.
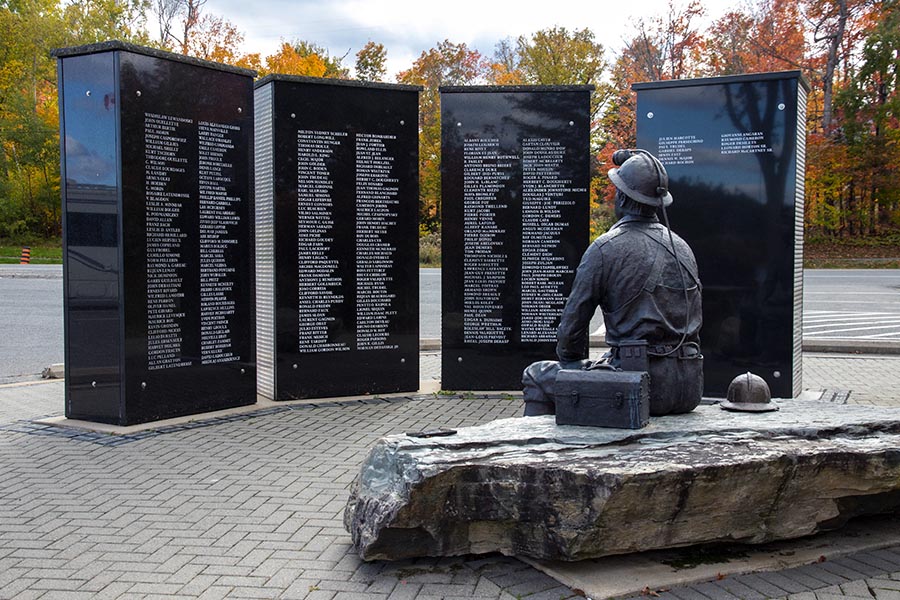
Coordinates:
<point>409,27</point>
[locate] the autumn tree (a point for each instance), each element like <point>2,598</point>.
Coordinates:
<point>215,38</point>
<point>333,64</point>
<point>177,20</point>
<point>558,56</point>
<point>864,146</point>
<point>504,68</point>
<point>185,27</point>
<point>166,12</point>
<point>29,116</point>
<point>287,61</point>
<point>445,64</point>
<point>371,62</point>
<point>663,46</point>
<point>301,58</point>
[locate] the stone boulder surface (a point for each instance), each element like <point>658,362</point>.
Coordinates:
<point>528,487</point>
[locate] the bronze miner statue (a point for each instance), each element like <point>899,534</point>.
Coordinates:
<point>644,278</point>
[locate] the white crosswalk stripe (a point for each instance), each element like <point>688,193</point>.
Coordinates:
<point>851,325</point>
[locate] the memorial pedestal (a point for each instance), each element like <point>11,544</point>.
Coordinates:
<point>529,487</point>
<point>157,244</point>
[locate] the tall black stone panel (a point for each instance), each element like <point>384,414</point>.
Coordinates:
<point>734,148</point>
<point>157,244</point>
<point>514,184</point>
<point>337,237</point>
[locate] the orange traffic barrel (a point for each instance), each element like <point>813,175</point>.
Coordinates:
<point>26,256</point>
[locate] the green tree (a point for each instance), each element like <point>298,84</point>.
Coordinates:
<point>371,62</point>
<point>869,106</point>
<point>29,162</point>
<point>445,64</point>
<point>90,21</point>
<point>557,56</point>
<point>29,121</point>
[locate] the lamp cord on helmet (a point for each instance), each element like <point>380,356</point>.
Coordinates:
<point>687,300</point>
<point>619,157</point>
<point>661,192</point>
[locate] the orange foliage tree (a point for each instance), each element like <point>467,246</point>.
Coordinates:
<point>445,64</point>
<point>849,51</point>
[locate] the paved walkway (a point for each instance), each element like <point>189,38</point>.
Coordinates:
<point>251,506</point>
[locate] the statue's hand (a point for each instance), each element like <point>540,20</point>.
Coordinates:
<point>574,364</point>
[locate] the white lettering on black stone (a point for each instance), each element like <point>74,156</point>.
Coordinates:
<point>747,142</point>
<point>320,285</point>
<point>165,139</point>
<point>219,222</point>
<point>544,194</point>
<point>677,149</point>
<point>376,217</point>
<point>485,269</point>
<point>170,199</point>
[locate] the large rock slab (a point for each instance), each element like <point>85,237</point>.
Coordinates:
<point>528,487</point>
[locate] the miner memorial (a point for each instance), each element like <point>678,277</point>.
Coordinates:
<point>336,237</point>
<point>515,164</point>
<point>157,246</point>
<point>760,471</point>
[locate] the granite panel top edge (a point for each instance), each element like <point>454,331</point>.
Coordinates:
<point>340,82</point>
<point>113,45</point>
<point>723,79</point>
<point>456,89</point>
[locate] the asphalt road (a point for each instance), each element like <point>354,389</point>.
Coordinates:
<point>849,304</point>
<point>31,317</point>
<point>852,304</point>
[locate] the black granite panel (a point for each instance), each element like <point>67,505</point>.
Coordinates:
<point>91,238</point>
<point>730,147</point>
<point>158,236</point>
<point>515,178</point>
<point>346,238</point>
<point>186,139</point>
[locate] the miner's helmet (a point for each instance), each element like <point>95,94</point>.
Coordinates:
<point>749,393</point>
<point>641,177</point>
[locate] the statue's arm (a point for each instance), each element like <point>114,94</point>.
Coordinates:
<point>574,326</point>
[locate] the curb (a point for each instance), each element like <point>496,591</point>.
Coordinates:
<point>845,346</point>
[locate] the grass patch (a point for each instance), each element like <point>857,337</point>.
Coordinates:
<point>882,252</point>
<point>42,252</point>
<point>851,263</point>
<point>430,250</point>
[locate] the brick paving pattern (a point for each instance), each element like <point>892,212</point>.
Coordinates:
<point>251,506</point>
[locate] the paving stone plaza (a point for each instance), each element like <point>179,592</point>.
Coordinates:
<point>251,506</point>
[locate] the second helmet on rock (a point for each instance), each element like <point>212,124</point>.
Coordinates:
<point>749,393</point>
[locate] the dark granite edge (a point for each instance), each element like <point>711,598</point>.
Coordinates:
<point>378,85</point>
<point>113,45</point>
<point>456,89</point>
<point>724,79</point>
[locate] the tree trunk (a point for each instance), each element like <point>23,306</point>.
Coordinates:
<point>831,64</point>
